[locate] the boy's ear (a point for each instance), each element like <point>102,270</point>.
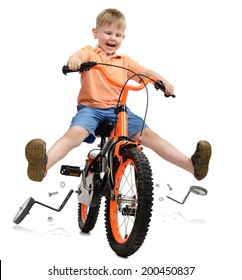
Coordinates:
<point>94,32</point>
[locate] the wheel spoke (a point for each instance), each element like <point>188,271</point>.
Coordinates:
<point>127,201</point>
<point>129,180</point>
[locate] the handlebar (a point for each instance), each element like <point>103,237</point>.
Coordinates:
<point>86,66</point>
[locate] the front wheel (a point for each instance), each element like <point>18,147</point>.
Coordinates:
<point>128,215</point>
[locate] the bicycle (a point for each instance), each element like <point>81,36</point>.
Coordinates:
<point>120,171</point>
<point>117,170</point>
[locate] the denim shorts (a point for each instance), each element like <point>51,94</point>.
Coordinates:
<point>89,118</point>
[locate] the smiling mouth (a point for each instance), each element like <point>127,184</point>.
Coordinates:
<point>110,45</point>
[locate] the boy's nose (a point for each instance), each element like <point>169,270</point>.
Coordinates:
<point>112,37</point>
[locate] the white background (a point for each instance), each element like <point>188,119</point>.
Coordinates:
<point>196,45</point>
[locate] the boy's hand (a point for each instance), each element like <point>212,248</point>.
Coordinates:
<point>169,87</point>
<point>74,63</point>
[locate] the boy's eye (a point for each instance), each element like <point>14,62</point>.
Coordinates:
<point>110,33</point>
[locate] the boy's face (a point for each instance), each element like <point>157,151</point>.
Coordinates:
<point>109,37</point>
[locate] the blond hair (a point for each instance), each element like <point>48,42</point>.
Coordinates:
<point>110,16</point>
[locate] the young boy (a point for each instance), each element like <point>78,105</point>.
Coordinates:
<point>96,102</point>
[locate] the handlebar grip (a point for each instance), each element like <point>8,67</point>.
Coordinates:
<point>160,85</point>
<point>66,69</point>
<point>84,67</point>
<point>168,95</point>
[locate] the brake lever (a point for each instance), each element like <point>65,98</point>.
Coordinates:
<point>86,66</point>
<point>160,85</point>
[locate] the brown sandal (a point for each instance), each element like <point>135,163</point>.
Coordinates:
<point>201,158</point>
<point>35,153</point>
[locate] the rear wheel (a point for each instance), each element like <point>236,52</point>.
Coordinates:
<point>128,215</point>
<point>87,216</point>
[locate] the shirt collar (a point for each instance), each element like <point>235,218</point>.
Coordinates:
<point>97,50</point>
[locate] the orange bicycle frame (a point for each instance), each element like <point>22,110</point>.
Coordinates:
<point>121,129</point>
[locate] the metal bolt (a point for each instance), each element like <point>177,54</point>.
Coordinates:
<point>157,185</point>
<point>52,193</point>
<point>50,219</point>
<point>170,188</point>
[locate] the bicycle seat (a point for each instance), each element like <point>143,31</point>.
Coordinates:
<point>104,129</point>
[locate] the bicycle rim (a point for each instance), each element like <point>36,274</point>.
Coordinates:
<point>124,208</point>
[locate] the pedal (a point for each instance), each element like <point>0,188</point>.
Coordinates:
<point>68,170</point>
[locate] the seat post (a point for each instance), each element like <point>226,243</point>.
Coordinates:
<point>103,130</point>
<point>103,141</point>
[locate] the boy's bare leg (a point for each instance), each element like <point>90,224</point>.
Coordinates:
<point>71,139</point>
<point>197,164</point>
<point>165,150</point>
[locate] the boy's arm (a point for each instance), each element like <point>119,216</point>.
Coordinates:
<point>169,87</point>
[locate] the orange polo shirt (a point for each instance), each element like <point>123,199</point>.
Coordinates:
<point>95,90</point>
